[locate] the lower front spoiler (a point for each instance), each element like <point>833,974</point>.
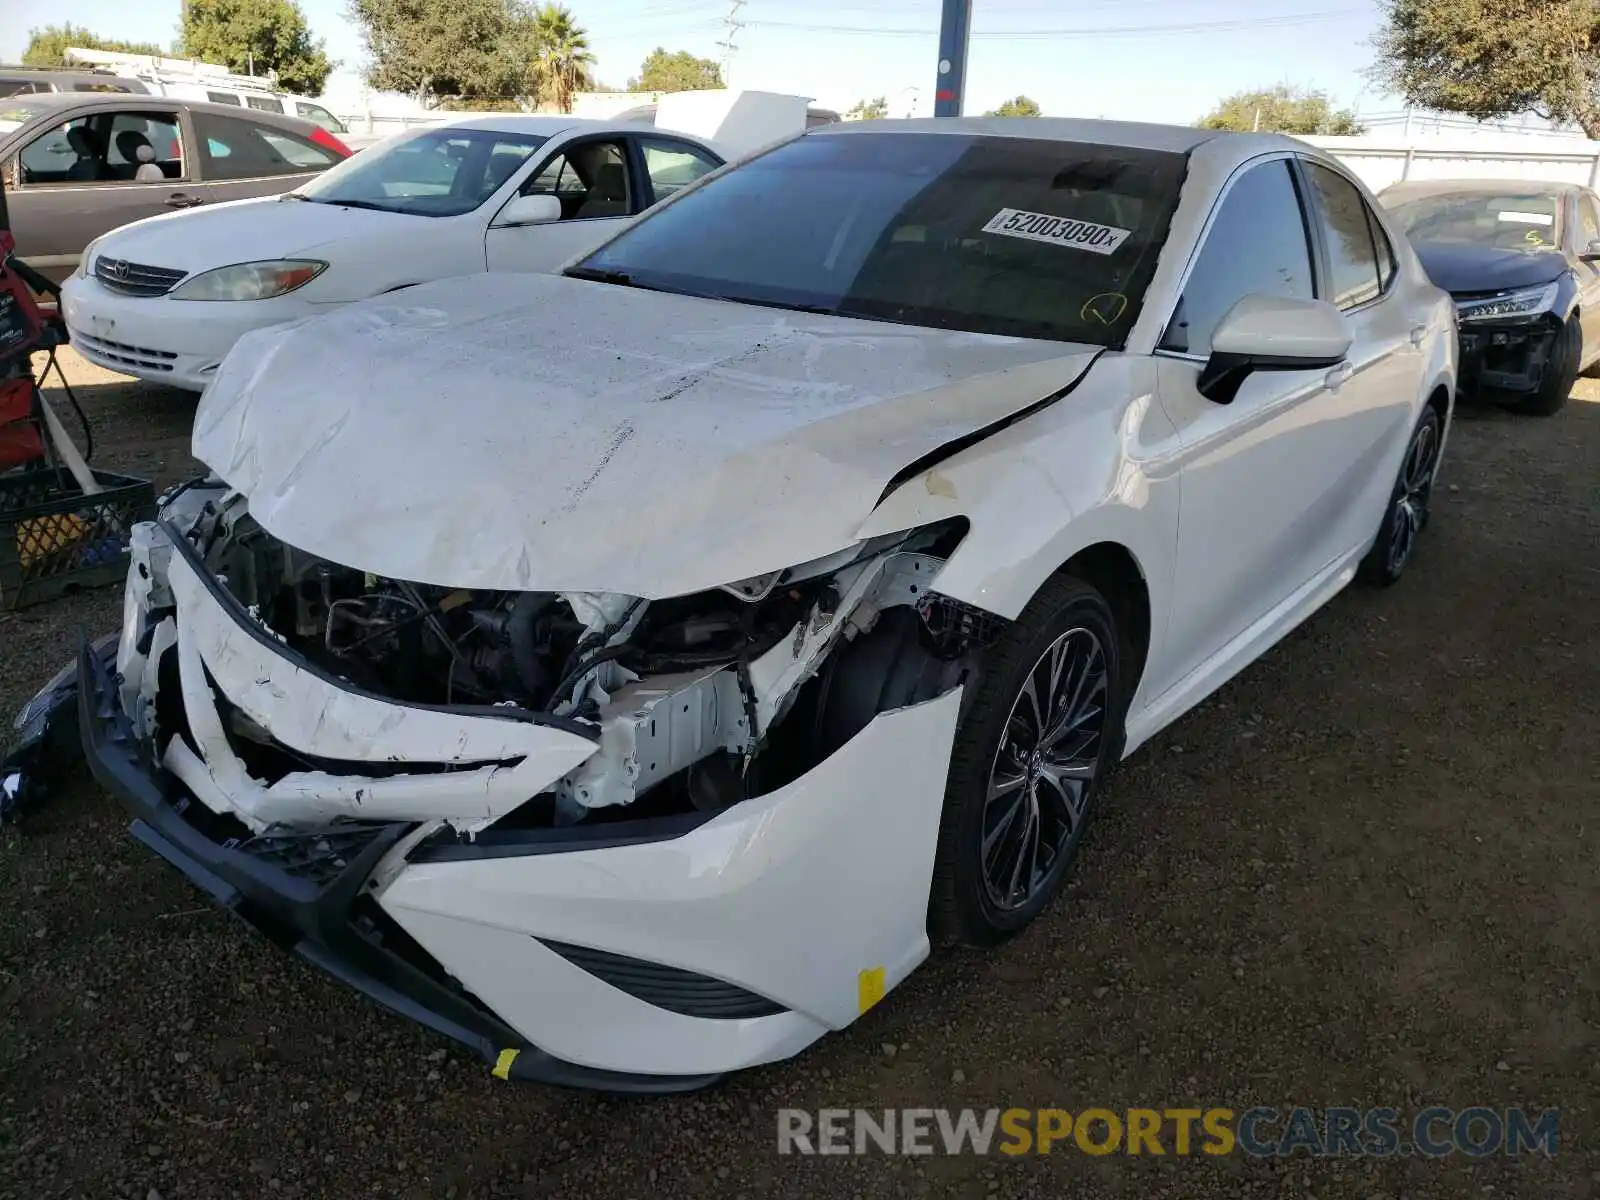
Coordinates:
<point>315,918</point>
<point>1511,359</point>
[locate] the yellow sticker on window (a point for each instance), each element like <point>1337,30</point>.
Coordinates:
<point>869,988</point>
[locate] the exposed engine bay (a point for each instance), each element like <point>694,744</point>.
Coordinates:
<point>694,702</point>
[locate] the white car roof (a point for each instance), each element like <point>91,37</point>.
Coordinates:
<point>1178,139</point>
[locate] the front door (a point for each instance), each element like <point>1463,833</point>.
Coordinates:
<point>1268,481</point>
<point>76,181</point>
<point>600,191</point>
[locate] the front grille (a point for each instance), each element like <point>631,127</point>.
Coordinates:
<point>675,990</point>
<point>135,279</point>
<point>125,355</point>
<point>319,856</point>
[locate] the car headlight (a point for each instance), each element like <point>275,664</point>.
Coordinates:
<point>251,281</point>
<point>1529,302</point>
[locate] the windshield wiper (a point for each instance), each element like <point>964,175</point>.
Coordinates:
<point>350,204</point>
<point>599,276</point>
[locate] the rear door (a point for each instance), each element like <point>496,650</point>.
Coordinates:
<point>241,157</point>
<point>60,202</point>
<point>601,185</point>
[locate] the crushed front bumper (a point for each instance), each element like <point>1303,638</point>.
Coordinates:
<point>1507,358</point>
<point>311,907</point>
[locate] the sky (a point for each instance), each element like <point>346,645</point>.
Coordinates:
<point>1141,60</point>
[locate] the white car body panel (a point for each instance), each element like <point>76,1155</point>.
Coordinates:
<point>182,342</point>
<point>738,899</point>
<point>682,442</point>
<point>535,434</point>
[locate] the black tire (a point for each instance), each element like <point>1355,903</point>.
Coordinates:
<point>962,904</point>
<point>1559,376</point>
<point>1410,504</point>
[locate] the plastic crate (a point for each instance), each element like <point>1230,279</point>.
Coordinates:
<point>54,539</point>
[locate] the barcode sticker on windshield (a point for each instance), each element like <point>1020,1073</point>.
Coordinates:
<point>1058,231</point>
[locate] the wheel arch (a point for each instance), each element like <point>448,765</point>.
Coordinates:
<point>1116,573</point>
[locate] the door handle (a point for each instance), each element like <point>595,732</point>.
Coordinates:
<point>1339,376</point>
<point>1418,332</point>
<point>181,200</point>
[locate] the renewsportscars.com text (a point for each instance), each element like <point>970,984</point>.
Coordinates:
<point>1258,1132</point>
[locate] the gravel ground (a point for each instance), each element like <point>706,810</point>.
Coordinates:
<point>1364,874</point>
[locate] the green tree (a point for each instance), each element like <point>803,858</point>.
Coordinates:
<point>561,55</point>
<point>468,50</point>
<point>256,36</point>
<point>1017,106</point>
<point>869,110</point>
<point>679,71</point>
<point>47,47</point>
<point>1493,58</point>
<point>1285,108</point>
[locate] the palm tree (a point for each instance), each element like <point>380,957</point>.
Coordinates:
<point>562,57</point>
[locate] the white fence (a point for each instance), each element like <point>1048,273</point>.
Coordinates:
<point>1381,160</point>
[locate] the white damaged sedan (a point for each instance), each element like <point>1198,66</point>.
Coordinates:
<point>629,672</point>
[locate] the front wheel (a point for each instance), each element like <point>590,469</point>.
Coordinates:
<point>1409,503</point>
<point>1560,374</point>
<point>1038,738</point>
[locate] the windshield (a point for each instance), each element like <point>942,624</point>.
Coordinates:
<point>1015,236</point>
<point>1514,218</point>
<point>434,173</point>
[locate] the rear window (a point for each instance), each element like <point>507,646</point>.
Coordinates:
<point>1014,236</point>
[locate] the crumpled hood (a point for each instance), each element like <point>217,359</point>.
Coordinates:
<point>1462,267</point>
<point>540,433</point>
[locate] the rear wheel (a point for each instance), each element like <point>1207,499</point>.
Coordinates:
<point>1559,375</point>
<point>1038,738</point>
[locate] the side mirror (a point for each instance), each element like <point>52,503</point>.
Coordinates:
<point>1272,333</point>
<point>1591,252</point>
<point>529,210</point>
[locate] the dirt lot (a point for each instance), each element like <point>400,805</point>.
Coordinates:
<point>1367,873</point>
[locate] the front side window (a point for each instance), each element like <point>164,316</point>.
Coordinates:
<point>315,112</point>
<point>1352,257</point>
<point>674,165</point>
<point>432,173</point>
<point>238,148</point>
<point>590,180</point>
<point>1589,222</point>
<point>1256,245</point>
<point>1013,236</point>
<point>136,147</point>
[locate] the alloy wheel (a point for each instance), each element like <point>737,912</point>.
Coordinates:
<point>1040,779</point>
<point>1414,494</point>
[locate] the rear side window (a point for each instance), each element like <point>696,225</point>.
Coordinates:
<point>1256,245</point>
<point>264,103</point>
<point>238,148</point>
<point>222,98</point>
<point>21,87</point>
<point>1352,257</point>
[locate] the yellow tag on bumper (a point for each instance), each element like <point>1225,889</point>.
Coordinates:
<point>869,988</point>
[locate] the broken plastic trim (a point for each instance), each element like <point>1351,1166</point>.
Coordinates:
<point>230,604</point>
<point>956,445</point>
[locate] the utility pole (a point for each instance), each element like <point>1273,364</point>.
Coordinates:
<point>955,32</point>
<point>1255,126</point>
<point>733,24</point>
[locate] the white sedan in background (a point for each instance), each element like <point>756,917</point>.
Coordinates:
<point>627,671</point>
<point>165,299</point>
